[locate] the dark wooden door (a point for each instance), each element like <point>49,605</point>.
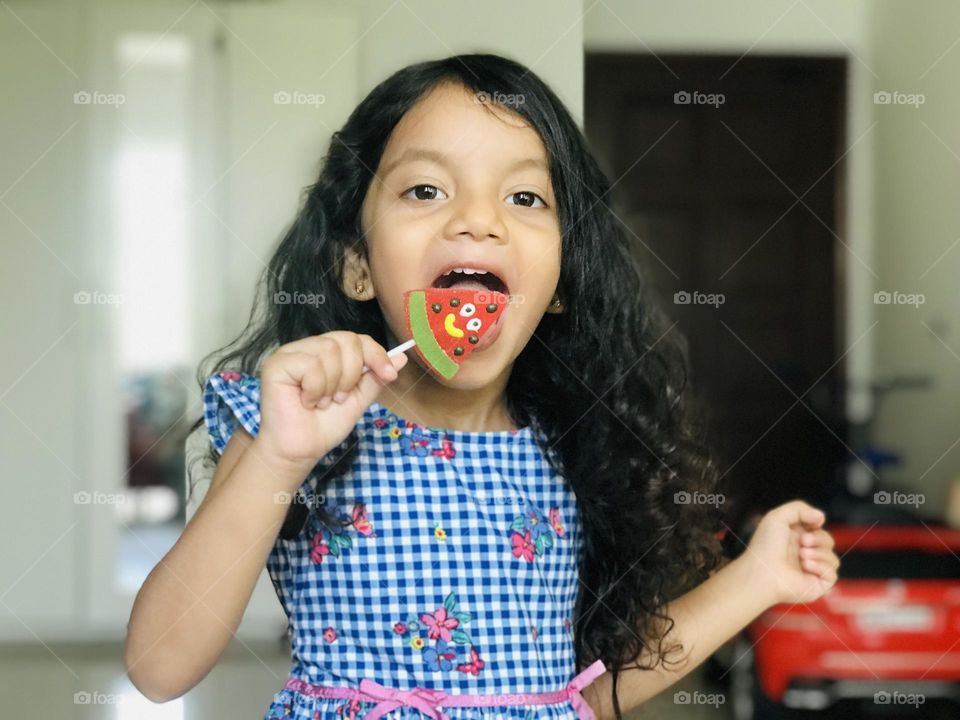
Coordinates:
<point>708,185</point>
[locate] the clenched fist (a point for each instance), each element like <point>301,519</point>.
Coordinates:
<point>313,392</point>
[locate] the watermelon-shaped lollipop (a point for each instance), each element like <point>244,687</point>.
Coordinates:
<point>447,324</point>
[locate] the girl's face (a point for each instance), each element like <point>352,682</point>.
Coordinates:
<point>461,184</point>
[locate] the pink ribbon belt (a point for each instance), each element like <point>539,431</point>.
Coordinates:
<point>428,700</point>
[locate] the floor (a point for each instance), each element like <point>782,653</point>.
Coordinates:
<point>86,682</point>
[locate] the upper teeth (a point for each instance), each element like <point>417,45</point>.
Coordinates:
<point>467,271</point>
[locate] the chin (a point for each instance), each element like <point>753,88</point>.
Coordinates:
<point>479,370</point>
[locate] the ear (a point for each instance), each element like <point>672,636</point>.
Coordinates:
<point>556,304</point>
<point>356,281</point>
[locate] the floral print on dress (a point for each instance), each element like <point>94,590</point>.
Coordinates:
<point>413,439</point>
<point>348,710</point>
<point>531,533</point>
<point>332,541</point>
<point>243,378</point>
<point>444,627</point>
<point>283,712</point>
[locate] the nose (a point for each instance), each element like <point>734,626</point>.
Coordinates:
<point>476,216</point>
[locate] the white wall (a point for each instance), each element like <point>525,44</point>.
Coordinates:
<point>918,228</point>
<point>546,36</point>
<point>756,26</point>
<point>41,420</point>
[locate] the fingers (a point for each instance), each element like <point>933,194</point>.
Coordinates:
<point>356,349</point>
<point>308,372</point>
<point>316,375</point>
<point>817,555</point>
<point>820,560</point>
<point>824,572</point>
<point>351,356</point>
<point>797,511</point>
<point>817,538</point>
<point>827,574</point>
<point>375,357</point>
<point>370,383</point>
<point>335,365</point>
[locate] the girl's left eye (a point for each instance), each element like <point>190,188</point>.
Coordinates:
<point>431,192</point>
<point>528,199</point>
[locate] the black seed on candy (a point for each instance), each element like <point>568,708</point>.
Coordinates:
<point>454,302</point>
<point>458,350</point>
<point>492,307</point>
<point>474,339</point>
<point>436,307</point>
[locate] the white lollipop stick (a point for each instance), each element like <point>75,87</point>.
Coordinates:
<point>396,351</point>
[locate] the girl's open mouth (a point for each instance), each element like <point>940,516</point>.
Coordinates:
<point>477,275</point>
<point>470,278</point>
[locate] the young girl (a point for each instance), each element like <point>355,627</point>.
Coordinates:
<point>526,539</point>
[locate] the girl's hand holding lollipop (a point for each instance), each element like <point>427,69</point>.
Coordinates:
<point>313,392</point>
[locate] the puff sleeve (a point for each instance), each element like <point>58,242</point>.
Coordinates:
<point>231,399</point>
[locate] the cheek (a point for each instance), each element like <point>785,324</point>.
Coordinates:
<point>398,246</point>
<point>541,275</point>
<point>396,265</point>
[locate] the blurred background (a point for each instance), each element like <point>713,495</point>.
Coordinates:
<point>788,171</point>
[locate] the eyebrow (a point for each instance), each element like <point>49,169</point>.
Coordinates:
<point>418,153</point>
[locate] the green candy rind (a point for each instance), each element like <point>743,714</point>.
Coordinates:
<point>426,342</point>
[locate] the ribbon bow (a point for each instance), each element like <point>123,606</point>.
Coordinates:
<point>423,699</point>
<point>584,711</point>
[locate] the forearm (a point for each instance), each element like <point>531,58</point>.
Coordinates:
<point>193,600</point>
<point>704,618</point>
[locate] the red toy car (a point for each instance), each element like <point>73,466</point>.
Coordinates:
<point>885,640</point>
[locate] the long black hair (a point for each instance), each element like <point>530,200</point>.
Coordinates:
<point>604,381</point>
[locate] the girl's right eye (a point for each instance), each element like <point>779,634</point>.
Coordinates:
<point>431,192</point>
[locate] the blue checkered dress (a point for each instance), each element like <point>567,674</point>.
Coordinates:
<point>458,572</point>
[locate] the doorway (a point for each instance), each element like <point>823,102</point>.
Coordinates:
<point>727,172</point>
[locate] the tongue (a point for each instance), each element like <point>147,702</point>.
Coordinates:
<point>469,285</point>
